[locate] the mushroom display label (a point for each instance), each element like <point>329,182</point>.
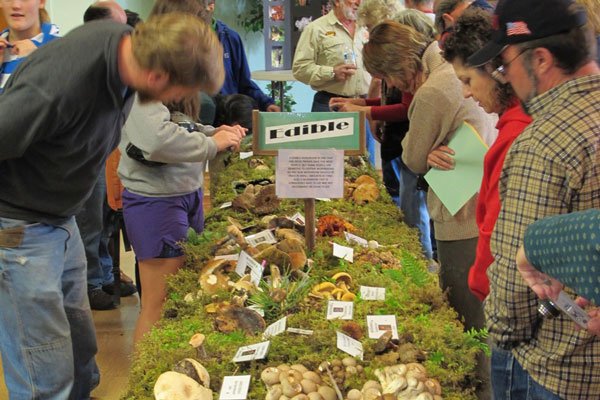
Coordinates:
<point>275,328</point>
<point>256,270</point>
<point>227,204</point>
<point>265,236</point>
<point>235,387</point>
<point>379,324</point>
<point>256,351</point>
<point>349,345</point>
<point>229,257</point>
<point>299,331</point>
<point>372,293</point>
<point>298,218</point>
<point>340,309</point>
<point>343,252</point>
<point>353,239</point>
<point>246,154</point>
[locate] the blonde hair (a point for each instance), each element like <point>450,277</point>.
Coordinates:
<point>44,16</point>
<point>372,12</point>
<point>418,20</point>
<point>592,9</point>
<point>184,47</point>
<point>394,50</point>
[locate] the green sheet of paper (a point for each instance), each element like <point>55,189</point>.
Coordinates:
<point>457,186</point>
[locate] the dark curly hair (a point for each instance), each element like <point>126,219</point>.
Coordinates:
<point>472,31</point>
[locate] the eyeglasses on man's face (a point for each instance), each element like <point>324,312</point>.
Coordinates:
<point>500,73</point>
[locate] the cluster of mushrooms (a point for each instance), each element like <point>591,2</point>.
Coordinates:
<point>295,382</point>
<point>363,190</point>
<point>339,289</point>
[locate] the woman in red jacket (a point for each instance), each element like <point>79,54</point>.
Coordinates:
<point>487,86</point>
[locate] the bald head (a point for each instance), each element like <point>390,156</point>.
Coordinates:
<point>105,9</point>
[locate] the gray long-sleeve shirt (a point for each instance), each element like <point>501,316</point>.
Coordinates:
<point>149,128</point>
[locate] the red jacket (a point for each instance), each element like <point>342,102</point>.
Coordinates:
<point>510,125</point>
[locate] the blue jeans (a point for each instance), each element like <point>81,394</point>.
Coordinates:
<point>413,203</point>
<point>47,336</point>
<point>391,178</point>
<point>511,382</point>
<point>90,221</point>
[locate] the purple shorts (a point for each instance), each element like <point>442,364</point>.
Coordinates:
<point>155,225</point>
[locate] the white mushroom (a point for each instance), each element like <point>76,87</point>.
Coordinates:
<point>354,394</point>
<point>327,393</point>
<point>175,386</point>
<point>311,375</point>
<point>270,376</point>
<point>274,393</point>
<point>315,396</point>
<point>308,386</point>
<point>290,387</point>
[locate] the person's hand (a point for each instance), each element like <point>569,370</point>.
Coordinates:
<point>343,72</point>
<point>229,137</point>
<point>543,285</point>
<point>593,326</point>
<point>335,103</point>
<point>441,158</point>
<point>273,108</point>
<point>23,48</point>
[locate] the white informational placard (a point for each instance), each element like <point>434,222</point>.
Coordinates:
<point>246,261</point>
<point>306,332</point>
<point>227,204</point>
<point>340,309</point>
<point>265,236</point>
<point>245,154</point>
<point>349,345</point>
<point>298,218</point>
<point>353,239</point>
<point>372,293</point>
<point>275,328</point>
<point>379,324</point>
<point>235,387</point>
<point>303,174</point>
<point>256,308</point>
<point>256,351</point>
<point>343,252</point>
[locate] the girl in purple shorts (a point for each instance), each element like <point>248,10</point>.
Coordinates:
<point>162,165</point>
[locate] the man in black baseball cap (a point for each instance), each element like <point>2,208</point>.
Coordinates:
<point>545,51</point>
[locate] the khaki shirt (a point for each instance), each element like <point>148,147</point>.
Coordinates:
<point>321,47</point>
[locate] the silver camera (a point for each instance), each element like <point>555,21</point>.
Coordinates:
<point>552,308</point>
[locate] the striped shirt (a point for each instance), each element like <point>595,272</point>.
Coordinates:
<point>11,61</point>
<point>552,168</point>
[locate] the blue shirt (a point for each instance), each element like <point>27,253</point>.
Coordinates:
<point>11,61</point>
<point>237,71</point>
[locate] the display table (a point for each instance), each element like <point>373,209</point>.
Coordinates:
<point>278,79</point>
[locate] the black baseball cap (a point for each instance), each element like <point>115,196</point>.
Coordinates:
<point>518,21</point>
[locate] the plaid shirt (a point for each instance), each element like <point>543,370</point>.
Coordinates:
<point>552,168</point>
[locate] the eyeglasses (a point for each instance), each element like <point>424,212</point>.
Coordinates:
<point>500,73</point>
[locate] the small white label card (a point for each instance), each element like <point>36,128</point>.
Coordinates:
<point>275,328</point>
<point>372,293</point>
<point>246,154</point>
<point>235,387</point>
<point>349,345</point>
<point>227,204</point>
<point>353,239</point>
<point>256,351</point>
<point>306,332</point>
<point>229,257</point>
<point>256,308</point>
<point>379,324</point>
<point>343,252</point>
<point>298,218</point>
<point>265,236</point>
<point>245,261</point>
<point>323,199</point>
<point>340,309</point>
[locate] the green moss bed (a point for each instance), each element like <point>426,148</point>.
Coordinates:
<point>413,295</point>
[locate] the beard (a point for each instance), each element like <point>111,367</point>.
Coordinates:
<point>349,13</point>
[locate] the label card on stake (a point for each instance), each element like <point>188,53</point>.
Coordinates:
<point>372,293</point>
<point>298,218</point>
<point>246,154</point>
<point>245,261</point>
<point>353,239</point>
<point>227,204</point>
<point>349,345</point>
<point>275,328</point>
<point>265,236</point>
<point>340,309</point>
<point>235,387</point>
<point>343,252</point>
<point>256,351</point>
<point>379,324</point>
<point>306,332</point>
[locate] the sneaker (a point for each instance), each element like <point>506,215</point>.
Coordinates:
<point>127,288</point>
<point>100,300</point>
